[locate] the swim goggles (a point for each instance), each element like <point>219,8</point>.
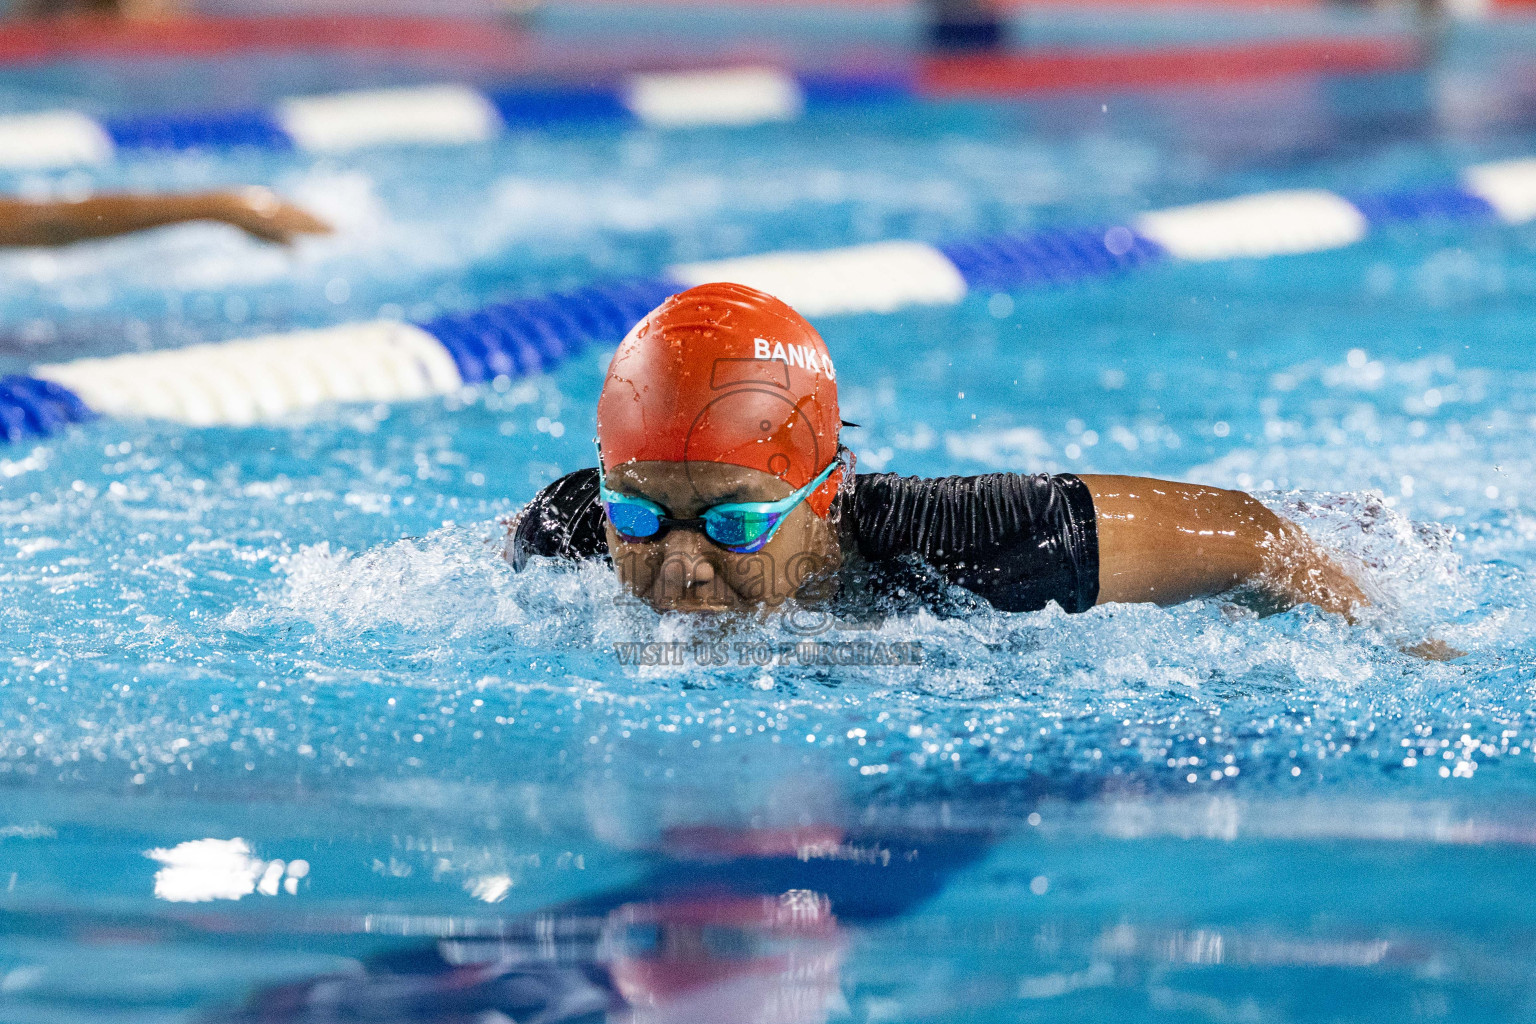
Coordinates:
<point>740,527</point>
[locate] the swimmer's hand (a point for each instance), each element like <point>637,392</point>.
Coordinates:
<point>1431,649</point>
<point>1297,571</point>
<point>1169,542</point>
<point>260,213</point>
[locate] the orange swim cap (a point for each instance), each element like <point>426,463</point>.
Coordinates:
<point>724,373</point>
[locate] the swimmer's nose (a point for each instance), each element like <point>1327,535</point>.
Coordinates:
<point>695,563</point>
<point>688,564</point>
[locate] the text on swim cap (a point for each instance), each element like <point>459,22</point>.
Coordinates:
<point>803,356</point>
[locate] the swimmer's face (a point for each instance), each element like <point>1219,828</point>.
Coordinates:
<point>683,570</point>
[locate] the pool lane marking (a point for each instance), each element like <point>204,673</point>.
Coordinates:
<point>1268,224</point>
<point>877,278</point>
<point>737,96</point>
<point>60,138</point>
<point>437,115</point>
<point>440,115</point>
<point>1508,186</point>
<point>740,96</point>
<point>266,378</point>
<point>255,380</point>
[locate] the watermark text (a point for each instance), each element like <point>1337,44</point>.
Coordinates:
<point>764,653</point>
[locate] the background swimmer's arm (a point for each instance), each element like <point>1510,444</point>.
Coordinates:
<point>1169,542</point>
<point>132,9</point>
<point>255,211</point>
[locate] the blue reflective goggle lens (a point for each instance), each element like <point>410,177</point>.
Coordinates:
<point>738,529</point>
<point>634,521</point>
<point>745,531</point>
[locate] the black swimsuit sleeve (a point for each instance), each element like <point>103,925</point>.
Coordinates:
<point>1019,541</point>
<point>564,520</point>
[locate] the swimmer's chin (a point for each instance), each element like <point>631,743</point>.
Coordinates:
<point>713,604</point>
<point>701,607</point>
<point>700,603</point>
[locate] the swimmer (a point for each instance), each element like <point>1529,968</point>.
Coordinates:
<point>256,211</point>
<point>131,9</point>
<point>965,25</point>
<point>722,485</point>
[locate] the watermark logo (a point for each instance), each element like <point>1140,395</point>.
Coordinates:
<point>754,409</point>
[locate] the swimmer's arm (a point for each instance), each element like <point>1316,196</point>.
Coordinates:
<point>255,211</point>
<point>130,9</point>
<point>149,9</point>
<point>1168,542</point>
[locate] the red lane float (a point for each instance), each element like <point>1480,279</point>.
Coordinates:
<point>40,40</point>
<point>489,45</point>
<point>1013,74</point>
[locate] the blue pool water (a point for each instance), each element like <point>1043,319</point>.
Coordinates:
<point>271,705</point>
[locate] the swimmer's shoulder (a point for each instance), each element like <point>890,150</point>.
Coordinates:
<point>564,520</point>
<point>958,515</point>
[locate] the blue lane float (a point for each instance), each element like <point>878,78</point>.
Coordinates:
<point>1052,257</point>
<point>513,339</point>
<point>36,408</point>
<point>266,378</point>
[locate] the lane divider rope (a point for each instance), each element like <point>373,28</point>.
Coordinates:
<point>261,379</point>
<point>458,114</point>
<point>434,115</point>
